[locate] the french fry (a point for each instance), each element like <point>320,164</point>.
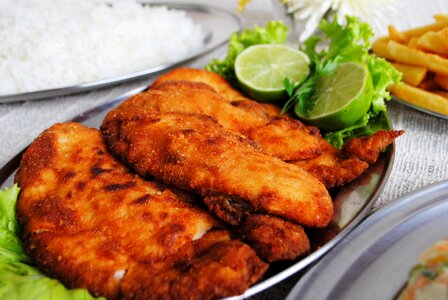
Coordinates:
<point>443,36</point>
<point>396,35</point>
<point>440,18</point>
<point>404,54</point>
<point>413,75</point>
<point>429,85</point>
<point>442,81</point>
<point>413,43</point>
<point>379,47</point>
<point>421,98</point>
<point>419,31</point>
<point>432,42</point>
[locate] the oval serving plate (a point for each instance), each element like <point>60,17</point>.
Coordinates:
<point>351,202</point>
<point>204,15</point>
<point>374,260</point>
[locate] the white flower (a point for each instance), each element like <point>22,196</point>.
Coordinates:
<point>377,13</point>
<point>310,12</point>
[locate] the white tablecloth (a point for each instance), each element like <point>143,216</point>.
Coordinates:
<point>421,154</point>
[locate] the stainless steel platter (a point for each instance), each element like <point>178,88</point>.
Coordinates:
<point>206,16</point>
<point>374,260</point>
<point>352,202</point>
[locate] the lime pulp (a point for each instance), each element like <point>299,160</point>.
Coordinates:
<point>262,69</point>
<point>340,99</point>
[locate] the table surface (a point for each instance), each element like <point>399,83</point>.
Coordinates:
<point>421,153</point>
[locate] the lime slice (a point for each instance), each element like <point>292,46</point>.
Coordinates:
<point>261,70</point>
<point>341,99</point>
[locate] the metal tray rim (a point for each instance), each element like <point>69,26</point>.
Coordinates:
<point>412,202</point>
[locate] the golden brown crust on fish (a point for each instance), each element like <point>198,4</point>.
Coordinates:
<point>221,271</point>
<point>220,86</point>
<point>216,82</point>
<point>193,152</point>
<point>289,139</point>
<point>90,222</point>
<point>274,238</point>
<point>369,148</point>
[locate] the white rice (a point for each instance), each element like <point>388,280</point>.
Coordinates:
<point>56,43</point>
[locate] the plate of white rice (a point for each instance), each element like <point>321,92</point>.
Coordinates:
<point>51,48</point>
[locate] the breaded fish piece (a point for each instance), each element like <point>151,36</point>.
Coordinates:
<point>191,97</point>
<point>336,168</point>
<point>284,138</point>
<point>274,238</point>
<point>368,148</point>
<point>91,223</point>
<point>172,95</point>
<point>290,140</point>
<point>216,82</point>
<point>193,152</point>
<point>220,86</point>
<point>219,271</point>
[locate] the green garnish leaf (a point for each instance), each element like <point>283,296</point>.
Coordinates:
<point>338,138</point>
<point>290,86</point>
<point>19,278</point>
<point>275,32</point>
<point>346,43</point>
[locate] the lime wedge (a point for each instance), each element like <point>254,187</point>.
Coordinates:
<point>341,99</point>
<point>261,70</point>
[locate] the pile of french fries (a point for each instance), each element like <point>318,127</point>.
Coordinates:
<point>421,54</point>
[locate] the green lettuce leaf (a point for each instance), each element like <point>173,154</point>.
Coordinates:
<point>275,32</point>
<point>19,278</point>
<point>344,43</point>
<point>383,74</point>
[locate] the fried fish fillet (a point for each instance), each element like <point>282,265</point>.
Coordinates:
<point>337,167</point>
<point>171,95</point>
<point>284,138</point>
<point>287,139</point>
<point>219,85</point>
<point>91,223</point>
<point>274,238</point>
<point>216,82</point>
<point>193,152</point>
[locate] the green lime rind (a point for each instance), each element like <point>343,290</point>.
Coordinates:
<point>340,99</point>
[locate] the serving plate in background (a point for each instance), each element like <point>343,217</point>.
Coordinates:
<point>374,260</point>
<point>204,15</point>
<point>352,202</point>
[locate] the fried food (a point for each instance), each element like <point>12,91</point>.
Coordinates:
<point>282,137</point>
<point>421,55</point>
<point>336,168</point>
<point>91,223</point>
<point>274,238</point>
<point>411,74</point>
<point>368,148</point>
<point>193,97</point>
<point>193,152</point>
<point>421,97</point>
<point>220,86</point>
<point>216,82</point>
